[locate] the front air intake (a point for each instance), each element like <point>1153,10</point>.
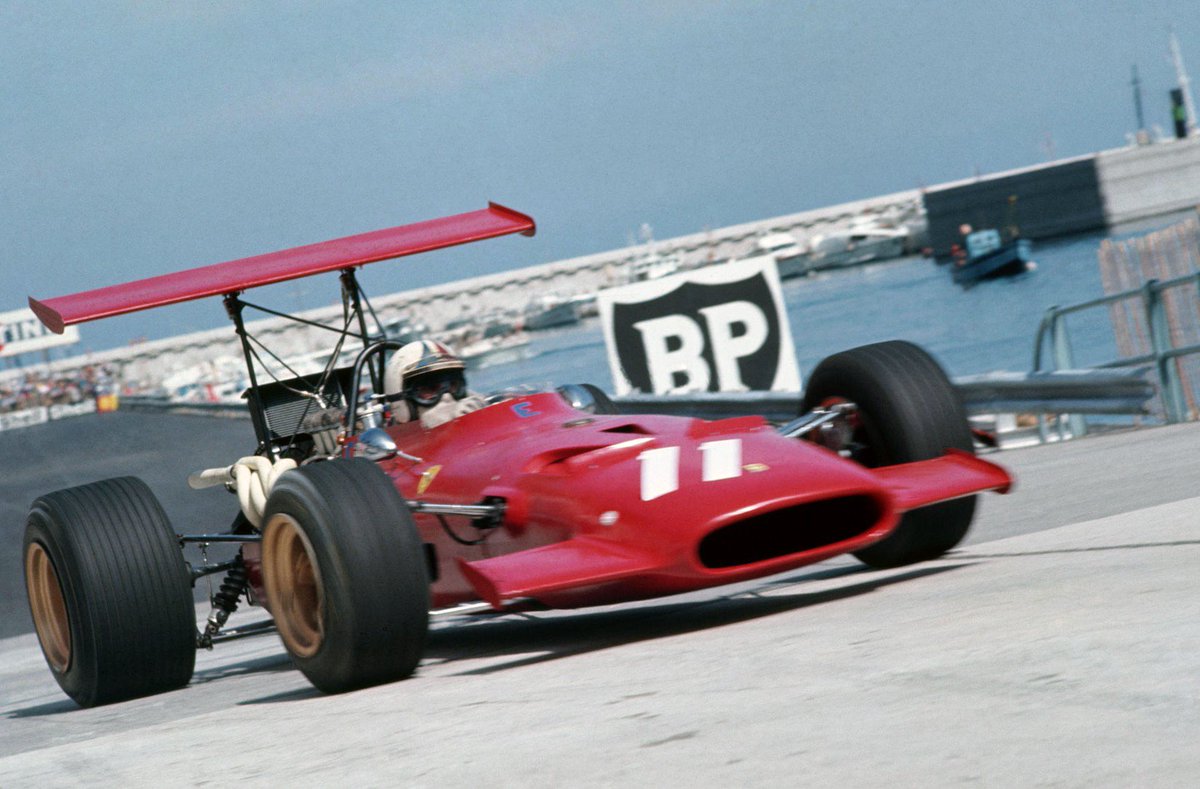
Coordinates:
<point>788,531</point>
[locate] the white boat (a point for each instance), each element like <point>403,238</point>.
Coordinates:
<point>586,304</point>
<point>862,242</point>
<point>498,349</point>
<point>651,264</point>
<point>548,311</point>
<point>405,330</point>
<point>791,258</point>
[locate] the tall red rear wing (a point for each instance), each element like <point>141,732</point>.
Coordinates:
<point>234,276</point>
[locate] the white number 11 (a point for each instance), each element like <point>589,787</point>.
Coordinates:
<point>660,467</point>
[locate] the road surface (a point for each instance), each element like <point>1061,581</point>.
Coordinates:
<point>1058,646</point>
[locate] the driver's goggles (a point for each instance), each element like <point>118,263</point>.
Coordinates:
<point>430,392</point>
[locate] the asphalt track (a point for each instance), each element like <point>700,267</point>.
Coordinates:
<point>1059,646</point>
<point>162,449</point>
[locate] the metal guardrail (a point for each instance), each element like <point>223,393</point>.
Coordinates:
<point>1053,331</point>
<point>1061,391</point>
<point>160,404</point>
<point>1056,392</point>
<point>775,406</point>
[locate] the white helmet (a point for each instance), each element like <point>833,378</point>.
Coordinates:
<point>422,371</point>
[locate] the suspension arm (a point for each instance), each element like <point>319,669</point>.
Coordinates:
<point>214,538</point>
<point>487,512</point>
<point>806,423</point>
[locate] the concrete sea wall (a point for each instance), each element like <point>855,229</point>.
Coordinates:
<point>1069,196</point>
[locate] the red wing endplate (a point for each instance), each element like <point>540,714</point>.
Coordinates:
<point>235,276</point>
<point>951,476</point>
<point>575,563</point>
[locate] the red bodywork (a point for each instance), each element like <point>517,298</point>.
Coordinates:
<point>601,509</point>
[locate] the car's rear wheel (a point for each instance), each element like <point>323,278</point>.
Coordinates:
<point>345,575</point>
<point>109,592</point>
<point>906,409</point>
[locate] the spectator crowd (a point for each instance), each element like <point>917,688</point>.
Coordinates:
<point>35,389</point>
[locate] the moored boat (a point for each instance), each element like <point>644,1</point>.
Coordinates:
<point>861,242</point>
<point>497,349</point>
<point>549,311</point>
<point>989,257</point>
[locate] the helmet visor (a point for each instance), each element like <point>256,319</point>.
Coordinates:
<point>428,389</point>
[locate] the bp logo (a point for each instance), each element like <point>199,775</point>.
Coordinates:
<point>721,328</point>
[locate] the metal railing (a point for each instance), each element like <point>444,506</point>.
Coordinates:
<point>1163,351</point>
<point>1057,392</point>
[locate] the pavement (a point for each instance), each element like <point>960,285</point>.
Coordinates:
<point>1058,647</point>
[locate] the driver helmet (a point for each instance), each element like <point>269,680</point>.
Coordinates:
<point>422,372</point>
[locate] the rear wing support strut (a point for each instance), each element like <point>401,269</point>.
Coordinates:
<point>354,316</point>
<point>234,306</point>
<point>352,293</point>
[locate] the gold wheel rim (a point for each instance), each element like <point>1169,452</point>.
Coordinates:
<point>293,583</point>
<point>48,607</point>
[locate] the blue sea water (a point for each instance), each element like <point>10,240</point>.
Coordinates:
<point>987,328</point>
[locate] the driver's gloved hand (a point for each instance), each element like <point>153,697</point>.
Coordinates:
<point>470,403</point>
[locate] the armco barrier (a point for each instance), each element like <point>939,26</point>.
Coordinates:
<point>235,410</point>
<point>1061,391</point>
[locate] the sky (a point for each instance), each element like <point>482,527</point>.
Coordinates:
<point>141,138</point>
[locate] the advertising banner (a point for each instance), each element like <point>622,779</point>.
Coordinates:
<point>27,418</point>
<point>721,328</point>
<point>22,332</point>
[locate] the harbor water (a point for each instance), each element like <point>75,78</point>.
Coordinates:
<point>988,328</point>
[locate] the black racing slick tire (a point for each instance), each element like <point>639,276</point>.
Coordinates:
<point>907,411</point>
<point>345,575</point>
<point>109,592</point>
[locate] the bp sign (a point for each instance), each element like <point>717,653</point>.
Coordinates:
<point>717,329</point>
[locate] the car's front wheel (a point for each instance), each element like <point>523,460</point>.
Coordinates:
<point>345,575</point>
<point>904,409</point>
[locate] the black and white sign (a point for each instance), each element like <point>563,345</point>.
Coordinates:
<point>721,328</point>
<point>22,332</point>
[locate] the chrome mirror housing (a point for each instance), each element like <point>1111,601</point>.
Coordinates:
<point>587,398</point>
<point>375,444</point>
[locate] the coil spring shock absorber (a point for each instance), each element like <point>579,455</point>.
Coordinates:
<point>225,601</point>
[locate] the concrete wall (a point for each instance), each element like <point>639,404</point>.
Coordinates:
<point>1150,180</point>
<point>1071,196</point>
<point>1050,200</point>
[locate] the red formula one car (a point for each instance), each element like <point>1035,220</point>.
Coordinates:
<point>356,527</point>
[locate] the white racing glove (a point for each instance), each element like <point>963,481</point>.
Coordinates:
<point>448,409</point>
